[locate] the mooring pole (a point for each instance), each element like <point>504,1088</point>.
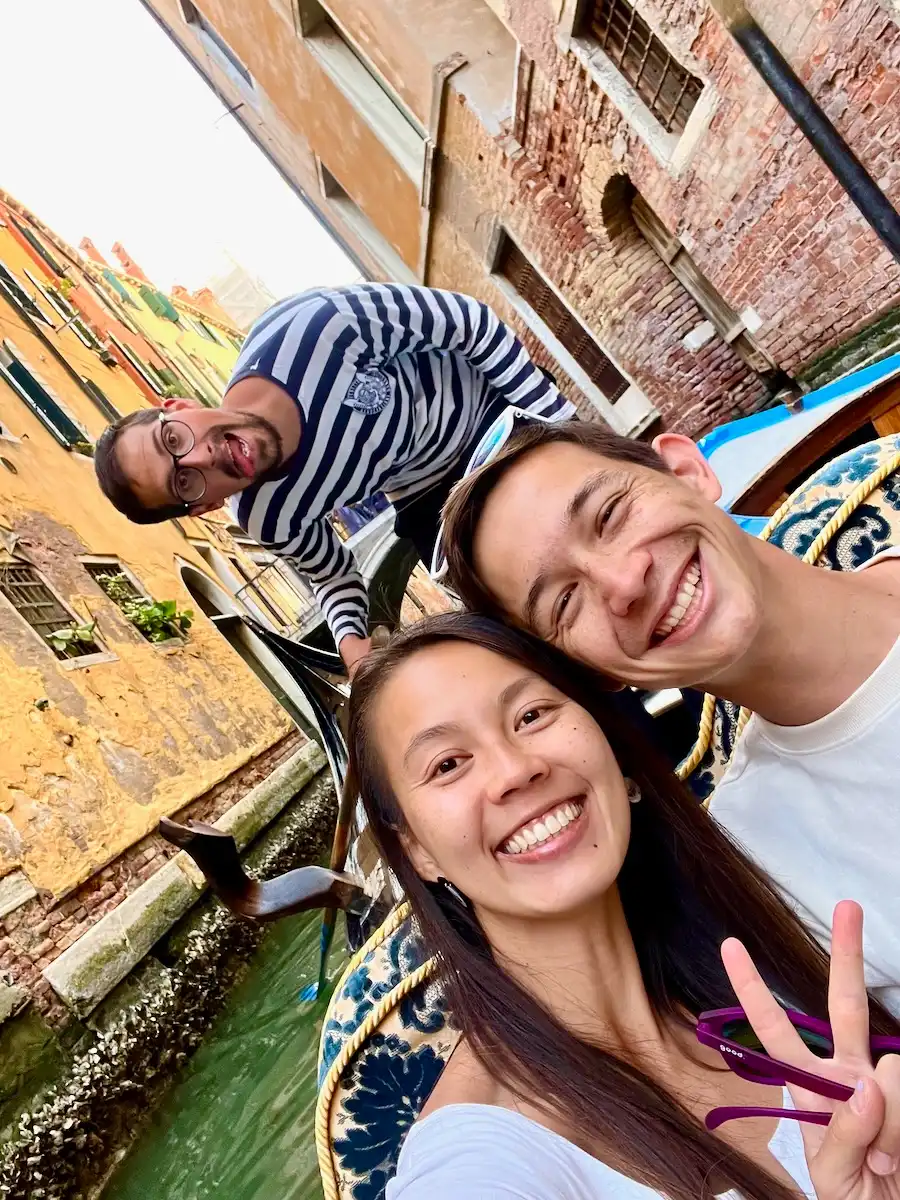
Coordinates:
<point>819,131</point>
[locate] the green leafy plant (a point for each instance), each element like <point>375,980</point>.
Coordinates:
<point>117,586</point>
<point>68,642</point>
<point>65,286</point>
<point>158,620</point>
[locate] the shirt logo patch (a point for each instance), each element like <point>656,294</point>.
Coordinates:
<point>369,391</point>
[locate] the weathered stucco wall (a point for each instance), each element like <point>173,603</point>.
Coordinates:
<point>90,757</point>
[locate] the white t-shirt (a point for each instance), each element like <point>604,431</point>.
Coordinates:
<point>818,807</point>
<point>481,1152</point>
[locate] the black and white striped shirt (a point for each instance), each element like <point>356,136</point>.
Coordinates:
<point>392,383</point>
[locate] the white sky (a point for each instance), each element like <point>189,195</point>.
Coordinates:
<point>109,132</point>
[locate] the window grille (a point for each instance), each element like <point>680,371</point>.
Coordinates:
<point>100,571</point>
<point>666,87</point>
<point>35,603</point>
<point>565,327</point>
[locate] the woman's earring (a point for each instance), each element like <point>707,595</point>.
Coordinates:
<point>634,792</point>
<point>453,891</point>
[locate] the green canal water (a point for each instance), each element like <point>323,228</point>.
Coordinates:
<point>239,1123</point>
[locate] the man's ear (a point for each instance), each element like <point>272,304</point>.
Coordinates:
<point>180,403</point>
<point>202,507</point>
<point>684,459</point>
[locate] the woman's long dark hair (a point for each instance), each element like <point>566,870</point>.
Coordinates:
<point>684,888</point>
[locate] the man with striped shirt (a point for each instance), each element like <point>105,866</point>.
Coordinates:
<point>337,394</point>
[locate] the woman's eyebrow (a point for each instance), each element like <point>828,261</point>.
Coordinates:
<point>447,728</point>
<point>513,690</point>
<point>428,735</point>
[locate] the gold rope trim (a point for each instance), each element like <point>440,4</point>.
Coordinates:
<point>329,1086</point>
<point>391,922</point>
<point>857,497</point>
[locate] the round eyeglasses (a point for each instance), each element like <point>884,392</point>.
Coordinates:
<point>188,483</point>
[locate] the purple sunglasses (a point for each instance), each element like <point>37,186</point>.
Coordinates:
<point>729,1031</point>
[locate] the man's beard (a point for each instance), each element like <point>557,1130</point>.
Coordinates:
<point>270,443</point>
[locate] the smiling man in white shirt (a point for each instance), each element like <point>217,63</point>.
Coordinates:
<point>628,565</point>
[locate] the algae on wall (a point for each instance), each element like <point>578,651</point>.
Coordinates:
<point>122,1059</point>
<point>877,341</point>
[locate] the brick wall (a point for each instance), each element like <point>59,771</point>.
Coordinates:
<point>757,210</point>
<point>33,935</point>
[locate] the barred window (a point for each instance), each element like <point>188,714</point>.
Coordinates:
<point>26,591</point>
<point>565,327</point>
<point>103,572</point>
<point>666,87</point>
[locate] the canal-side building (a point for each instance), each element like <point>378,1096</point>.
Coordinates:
<point>195,338</point>
<point>120,701</point>
<point>611,176</point>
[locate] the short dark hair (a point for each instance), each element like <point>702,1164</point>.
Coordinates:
<point>465,504</point>
<point>116,486</point>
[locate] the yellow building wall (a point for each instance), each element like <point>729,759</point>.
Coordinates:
<point>125,741</point>
<point>112,381</point>
<point>217,361</point>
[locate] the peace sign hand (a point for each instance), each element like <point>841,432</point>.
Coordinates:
<point>857,1156</point>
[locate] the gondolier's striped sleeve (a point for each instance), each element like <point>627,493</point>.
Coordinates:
<point>395,320</point>
<point>332,573</point>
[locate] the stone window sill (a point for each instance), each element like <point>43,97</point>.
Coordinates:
<point>671,150</point>
<point>172,643</point>
<point>88,660</point>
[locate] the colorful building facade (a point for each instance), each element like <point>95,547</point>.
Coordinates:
<point>120,700</point>
<point>612,176</point>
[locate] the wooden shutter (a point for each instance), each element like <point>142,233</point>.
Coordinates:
<point>38,246</point>
<point>564,325</point>
<point>41,403</point>
<point>99,397</point>
<point>20,297</point>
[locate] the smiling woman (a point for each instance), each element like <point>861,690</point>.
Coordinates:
<point>575,900</point>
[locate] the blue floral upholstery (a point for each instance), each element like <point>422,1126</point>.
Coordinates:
<point>379,1091</point>
<point>873,527</point>
<point>382,1088</point>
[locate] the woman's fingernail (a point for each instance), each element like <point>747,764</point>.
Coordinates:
<point>881,1163</point>
<point>860,1097</point>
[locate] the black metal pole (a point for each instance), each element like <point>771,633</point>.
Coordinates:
<point>821,134</point>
